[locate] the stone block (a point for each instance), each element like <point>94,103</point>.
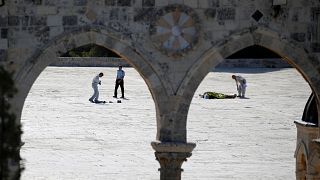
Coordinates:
<point>213,3</point>
<point>69,20</point>
<point>148,3</point>
<point>315,47</point>
<point>4,11</point>
<point>191,3</point>
<point>123,15</point>
<point>3,44</point>
<point>300,37</point>
<point>161,3</point>
<point>114,14</point>
<point>226,14</point>
<point>136,3</point>
<point>91,14</point>
<point>13,20</point>
<point>25,21</point>
<point>46,10</point>
<point>144,14</point>
<point>124,3</point>
<point>38,21</point>
<point>3,55</point>
<point>33,2</point>
<point>3,21</point>
<point>203,3</point>
<point>37,2</point>
<point>28,2</point>
<point>175,2</point>
<point>279,2</point>
<point>54,31</point>
<point>54,20</point>
<point>65,3</point>
<point>210,13</point>
<point>110,2</point>
<point>4,33</point>
<point>80,2</point>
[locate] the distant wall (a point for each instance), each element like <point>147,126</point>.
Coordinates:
<point>113,62</point>
<point>255,63</point>
<point>90,62</point>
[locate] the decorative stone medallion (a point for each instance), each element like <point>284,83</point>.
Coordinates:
<point>175,30</point>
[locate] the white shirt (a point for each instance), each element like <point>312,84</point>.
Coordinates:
<point>96,80</point>
<point>240,79</point>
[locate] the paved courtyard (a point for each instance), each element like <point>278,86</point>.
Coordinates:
<point>67,137</point>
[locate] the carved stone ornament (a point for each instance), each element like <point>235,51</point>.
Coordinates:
<point>175,30</point>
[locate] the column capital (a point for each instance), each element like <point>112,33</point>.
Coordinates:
<point>172,147</point>
<point>171,155</point>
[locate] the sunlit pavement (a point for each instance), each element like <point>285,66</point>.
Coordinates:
<point>67,137</point>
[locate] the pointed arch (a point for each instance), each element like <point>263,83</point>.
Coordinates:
<point>266,38</point>
<point>32,68</point>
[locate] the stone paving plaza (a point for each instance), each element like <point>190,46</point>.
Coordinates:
<point>66,137</point>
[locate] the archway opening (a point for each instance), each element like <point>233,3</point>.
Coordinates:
<point>67,137</point>
<point>247,138</point>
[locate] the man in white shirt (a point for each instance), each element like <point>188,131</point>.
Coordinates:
<point>96,80</point>
<point>119,82</point>
<point>241,85</point>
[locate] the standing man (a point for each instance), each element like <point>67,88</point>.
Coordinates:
<point>96,80</point>
<point>241,85</point>
<point>119,81</point>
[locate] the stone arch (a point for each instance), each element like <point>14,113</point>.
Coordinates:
<point>301,156</point>
<point>293,54</point>
<point>29,72</point>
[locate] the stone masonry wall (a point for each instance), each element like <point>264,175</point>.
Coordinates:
<point>27,26</point>
<point>114,62</point>
<point>90,62</point>
<point>173,44</point>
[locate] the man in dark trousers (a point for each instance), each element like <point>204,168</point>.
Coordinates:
<point>119,82</point>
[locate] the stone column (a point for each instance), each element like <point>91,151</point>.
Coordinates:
<point>300,175</point>
<point>171,155</point>
<point>312,177</point>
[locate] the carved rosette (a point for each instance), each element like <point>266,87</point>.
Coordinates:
<point>175,30</point>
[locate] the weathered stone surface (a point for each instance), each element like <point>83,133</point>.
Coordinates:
<point>110,2</point>
<point>173,44</point>
<point>38,20</point>
<point>54,20</point>
<point>124,3</point>
<point>3,21</point>
<point>2,55</point>
<point>148,3</point>
<point>4,33</point>
<point>315,47</point>
<point>226,13</point>
<point>3,44</point>
<point>300,37</point>
<point>43,10</point>
<point>13,20</point>
<point>191,3</point>
<point>69,20</point>
<point>80,2</point>
<point>214,3</point>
